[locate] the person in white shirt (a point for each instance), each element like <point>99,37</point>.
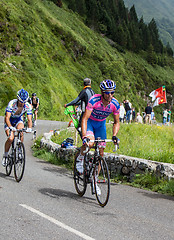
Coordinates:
<point>122,113</point>
<point>139,118</point>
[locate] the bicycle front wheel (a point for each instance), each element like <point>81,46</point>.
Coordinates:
<point>80,178</point>
<point>102,182</point>
<point>9,163</point>
<point>19,163</point>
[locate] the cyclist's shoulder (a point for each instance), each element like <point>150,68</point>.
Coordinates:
<point>115,102</point>
<point>28,106</point>
<point>12,103</point>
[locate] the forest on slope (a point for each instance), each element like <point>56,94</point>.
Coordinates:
<point>161,11</point>
<point>49,49</point>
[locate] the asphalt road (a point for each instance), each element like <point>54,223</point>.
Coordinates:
<point>44,205</point>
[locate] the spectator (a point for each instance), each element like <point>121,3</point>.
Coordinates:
<point>127,106</point>
<point>122,113</point>
<point>139,118</point>
<point>165,116</point>
<point>83,98</point>
<point>152,115</point>
<point>133,114</point>
<point>148,111</point>
<point>168,116</point>
<point>153,121</point>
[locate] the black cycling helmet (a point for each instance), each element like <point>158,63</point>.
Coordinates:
<point>22,95</point>
<point>33,94</point>
<point>107,85</point>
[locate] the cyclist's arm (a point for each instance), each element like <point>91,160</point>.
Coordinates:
<point>86,115</point>
<point>7,119</point>
<point>116,125</point>
<point>37,104</point>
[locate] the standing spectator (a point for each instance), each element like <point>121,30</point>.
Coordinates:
<point>127,106</point>
<point>83,98</point>
<point>122,113</point>
<point>139,118</point>
<point>168,115</point>
<point>133,114</point>
<point>165,116</point>
<point>148,111</point>
<point>152,115</point>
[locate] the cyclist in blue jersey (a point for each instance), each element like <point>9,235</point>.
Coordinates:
<point>99,107</point>
<point>13,119</point>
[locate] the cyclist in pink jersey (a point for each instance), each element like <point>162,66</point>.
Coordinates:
<point>99,107</point>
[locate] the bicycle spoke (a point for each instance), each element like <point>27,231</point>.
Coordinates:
<point>19,163</point>
<point>102,182</point>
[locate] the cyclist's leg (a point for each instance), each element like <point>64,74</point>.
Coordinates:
<point>9,139</point>
<point>35,114</point>
<point>20,125</point>
<point>100,131</point>
<point>80,158</point>
<point>7,144</point>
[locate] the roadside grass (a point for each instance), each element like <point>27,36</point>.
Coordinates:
<point>150,182</point>
<point>43,153</point>
<point>149,142</point>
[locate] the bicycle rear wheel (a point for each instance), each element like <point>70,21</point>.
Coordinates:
<point>80,178</point>
<point>9,163</point>
<point>102,182</point>
<point>19,163</point>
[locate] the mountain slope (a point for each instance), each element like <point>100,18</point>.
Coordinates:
<point>161,11</point>
<point>49,50</point>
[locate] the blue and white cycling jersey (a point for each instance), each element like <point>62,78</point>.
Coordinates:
<point>13,109</point>
<point>16,114</point>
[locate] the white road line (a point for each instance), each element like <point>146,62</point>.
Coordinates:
<point>58,223</point>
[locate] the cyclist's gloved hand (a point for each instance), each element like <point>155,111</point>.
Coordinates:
<point>85,140</point>
<point>29,130</point>
<point>115,140</point>
<point>13,129</point>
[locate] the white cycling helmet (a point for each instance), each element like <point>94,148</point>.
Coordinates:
<point>107,85</point>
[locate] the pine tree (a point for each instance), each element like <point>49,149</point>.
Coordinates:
<point>133,14</point>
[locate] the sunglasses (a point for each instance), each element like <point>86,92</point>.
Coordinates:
<point>109,93</point>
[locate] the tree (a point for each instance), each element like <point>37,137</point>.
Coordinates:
<point>133,14</point>
<point>169,50</point>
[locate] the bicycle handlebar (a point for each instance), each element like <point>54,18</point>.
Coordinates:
<point>102,140</point>
<point>19,130</point>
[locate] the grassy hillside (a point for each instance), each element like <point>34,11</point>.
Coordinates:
<point>161,11</point>
<point>48,50</point>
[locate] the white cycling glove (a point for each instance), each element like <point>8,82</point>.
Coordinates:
<point>13,129</point>
<point>29,130</point>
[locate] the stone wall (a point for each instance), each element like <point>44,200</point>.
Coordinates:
<point>118,164</point>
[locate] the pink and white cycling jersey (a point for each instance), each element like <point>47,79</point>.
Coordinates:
<point>99,111</point>
<point>12,108</point>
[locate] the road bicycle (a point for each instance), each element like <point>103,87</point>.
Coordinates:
<point>95,173</point>
<point>16,156</point>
